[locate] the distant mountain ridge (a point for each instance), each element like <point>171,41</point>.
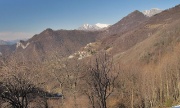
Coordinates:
<point>116,38</point>
<point>10,42</point>
<point>88,27</point>
<point>2,42</point>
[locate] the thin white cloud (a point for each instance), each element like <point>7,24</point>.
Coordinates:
<point>15,35</point>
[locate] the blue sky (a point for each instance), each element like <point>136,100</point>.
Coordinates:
<point>24,18</point>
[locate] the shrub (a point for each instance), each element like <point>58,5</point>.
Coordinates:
<point>168,102</point>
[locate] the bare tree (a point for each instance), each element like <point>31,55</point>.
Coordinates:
<point>19,92</point>
<point>101,81</point>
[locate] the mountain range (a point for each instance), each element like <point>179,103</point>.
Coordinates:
<point>99,26</point>
<point>144,47</point>
<point>117,38</point>
<point>95,27</point>
<point>2,42</point>
<point>10,42</point>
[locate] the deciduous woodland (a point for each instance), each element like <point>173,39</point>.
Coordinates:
<point>134,63</point>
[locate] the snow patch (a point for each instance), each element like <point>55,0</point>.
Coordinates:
<point>101,25</point>
<point>19,44</point>
<point>94,27</point>
<point>152,12</point>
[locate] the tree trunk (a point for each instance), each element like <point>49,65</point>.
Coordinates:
<point>132,99</point>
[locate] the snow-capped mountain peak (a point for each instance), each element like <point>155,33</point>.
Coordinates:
<point>152,12</point>
<point>101,25</point>
<point>86,26</point>
<point>94,27</point>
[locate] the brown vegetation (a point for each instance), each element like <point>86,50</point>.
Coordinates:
<point>143,70</point>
